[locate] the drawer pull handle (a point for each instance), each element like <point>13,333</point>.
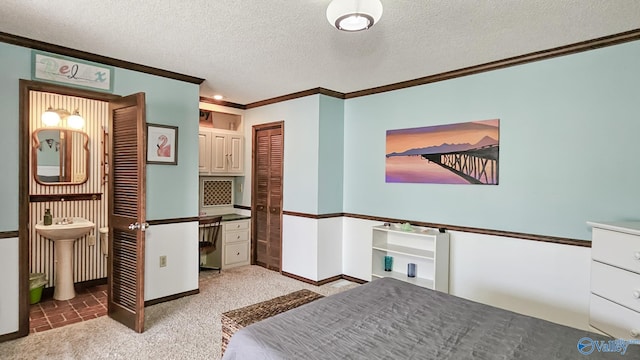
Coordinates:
<point>239,238</point>
<point>238,254</point>
<point>634,332</point>
<point>636,294</point>
<point>637,255</point>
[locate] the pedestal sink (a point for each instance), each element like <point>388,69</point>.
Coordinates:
<point>64,232</point>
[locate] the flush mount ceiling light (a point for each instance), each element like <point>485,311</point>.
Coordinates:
<point>354,15</point>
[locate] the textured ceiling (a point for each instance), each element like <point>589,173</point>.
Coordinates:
<point>255,50</point>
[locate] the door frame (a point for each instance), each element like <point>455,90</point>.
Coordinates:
<point>24,148</point>
<point>254,238</point>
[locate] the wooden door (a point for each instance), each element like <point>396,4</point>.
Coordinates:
<point>268,155</point>
<point>125,269</point>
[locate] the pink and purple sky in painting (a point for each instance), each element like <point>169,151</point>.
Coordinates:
<point>402,166</point>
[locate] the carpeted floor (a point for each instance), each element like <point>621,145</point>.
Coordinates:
<point>187,328</point>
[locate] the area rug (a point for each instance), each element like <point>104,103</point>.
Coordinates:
<point>235,320</point>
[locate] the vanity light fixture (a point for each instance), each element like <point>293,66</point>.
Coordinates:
<point>354,15</point>
<point>52,117</point>
<point>75,120</point>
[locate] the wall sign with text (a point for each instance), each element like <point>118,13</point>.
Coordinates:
<point>69,71</point>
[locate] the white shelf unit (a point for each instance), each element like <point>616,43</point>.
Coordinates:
<point>425,247</point>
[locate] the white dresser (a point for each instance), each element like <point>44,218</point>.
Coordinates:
<point>615,279</point>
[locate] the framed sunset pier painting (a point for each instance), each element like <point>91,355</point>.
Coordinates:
<point>462,153</point>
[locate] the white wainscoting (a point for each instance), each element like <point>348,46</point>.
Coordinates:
<point>312,248</point>
<point>300,246</point>
<point>9,293</point>
<point>179,243</point>
<point>544,280</point>
<point>356,247</point>
<point>329,248</point>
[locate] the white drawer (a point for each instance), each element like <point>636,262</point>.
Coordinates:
<point>613,319</point>
<point>236,236</point>
<point>617,285</point>
<point>616,248</point>
<point>236,254</point>
<point>235,225</point>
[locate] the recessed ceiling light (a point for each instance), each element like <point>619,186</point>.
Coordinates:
<point>218,97</point>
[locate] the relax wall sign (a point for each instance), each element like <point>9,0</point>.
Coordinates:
<point>68,71</point>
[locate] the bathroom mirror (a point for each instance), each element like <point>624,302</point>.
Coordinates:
<point>60,156</point>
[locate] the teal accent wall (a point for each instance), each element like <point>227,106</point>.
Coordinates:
<point>172,191</point>
<point>300,182</point>
<point>15,62</point>
<point>330,155</point>
<point>569,133</point>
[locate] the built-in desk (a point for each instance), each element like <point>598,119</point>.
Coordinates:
<point>234,217</point>
<point>233,247</point>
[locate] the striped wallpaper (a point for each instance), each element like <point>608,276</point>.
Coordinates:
<point>89,262</point>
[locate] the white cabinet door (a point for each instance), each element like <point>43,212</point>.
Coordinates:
<point>219,153</point>
<point>235,159</point>
<point>204,152</point>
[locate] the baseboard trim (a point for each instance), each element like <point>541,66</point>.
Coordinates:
<point>353,279</point>
<point>324,281</point>
<point>12,336</point>
<point>171,297</point>
<point>47,293</point>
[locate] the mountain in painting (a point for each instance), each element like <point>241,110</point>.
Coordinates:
<point>448,148</point>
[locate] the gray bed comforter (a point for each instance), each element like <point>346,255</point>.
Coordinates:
<point>391,319</point>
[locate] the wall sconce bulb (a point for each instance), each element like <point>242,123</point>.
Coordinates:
<point>52,117</point>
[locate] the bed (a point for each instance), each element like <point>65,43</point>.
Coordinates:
<point>392,319</point>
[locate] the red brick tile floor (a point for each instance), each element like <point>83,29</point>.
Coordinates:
<point>88,304</point>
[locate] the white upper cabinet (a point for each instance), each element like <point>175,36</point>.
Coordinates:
<point>226,153</point>
<point>221,143</point>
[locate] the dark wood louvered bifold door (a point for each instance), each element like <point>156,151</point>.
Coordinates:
<point>127,126</point>
<point>267,198</point>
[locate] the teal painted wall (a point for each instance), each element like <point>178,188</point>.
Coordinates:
<point>300,182</point>
<point>15,62</point>
<point>330,155</point>
<point>569,149</point>
<point>172,191</point>
<point>168,101</point>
